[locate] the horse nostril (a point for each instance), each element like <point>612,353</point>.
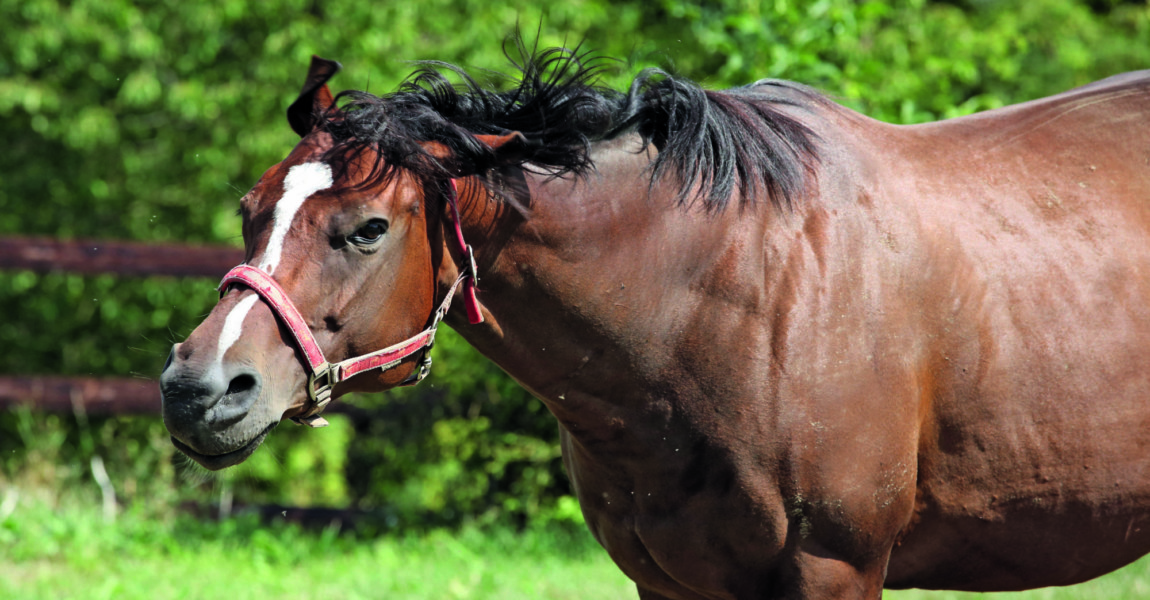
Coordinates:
<point>242,393</point>
<point>240,386</point>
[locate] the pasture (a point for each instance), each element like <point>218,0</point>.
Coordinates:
<point>69,551</point>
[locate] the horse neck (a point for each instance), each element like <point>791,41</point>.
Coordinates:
<point>573,287</point>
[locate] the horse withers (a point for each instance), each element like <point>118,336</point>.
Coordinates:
<point>794,352</point>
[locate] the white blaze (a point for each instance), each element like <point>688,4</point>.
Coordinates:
<point>301,182</point>
<point>233,325</point>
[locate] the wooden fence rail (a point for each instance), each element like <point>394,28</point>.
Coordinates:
<point>108,396</point>
<point>94,395</point>
<point>91,257</point>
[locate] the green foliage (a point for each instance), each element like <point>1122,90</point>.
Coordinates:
<point>467,443</point>
<point>42,451</point>
<point>148,120</point>
<point>65,323</point>
<point>50,454</point>
<point>295,468</point>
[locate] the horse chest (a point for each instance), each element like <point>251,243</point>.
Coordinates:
<point>701,541</point>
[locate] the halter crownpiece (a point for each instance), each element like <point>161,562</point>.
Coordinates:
<point>323,375</point>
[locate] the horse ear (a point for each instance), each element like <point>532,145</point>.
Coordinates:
<point>315,98</point>
<point>510,148</point>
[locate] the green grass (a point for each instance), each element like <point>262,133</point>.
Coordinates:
<point>70,552</point>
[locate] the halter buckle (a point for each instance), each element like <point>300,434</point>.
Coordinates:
<point>319,387</point>
<point>422,371</point>
<point>472,269</point>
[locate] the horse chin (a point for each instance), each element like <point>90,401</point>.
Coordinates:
<point>215,462</point>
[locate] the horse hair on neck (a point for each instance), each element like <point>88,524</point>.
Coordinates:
<point>714,142</point>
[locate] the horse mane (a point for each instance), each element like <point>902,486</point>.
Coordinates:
<point>713,142</point>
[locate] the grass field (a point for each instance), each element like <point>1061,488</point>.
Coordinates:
<point>70,552</point>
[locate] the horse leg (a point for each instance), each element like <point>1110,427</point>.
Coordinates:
<point>813,573</point>
<point>817,573</point>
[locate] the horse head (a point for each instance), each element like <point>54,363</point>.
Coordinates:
<point>343,257</point>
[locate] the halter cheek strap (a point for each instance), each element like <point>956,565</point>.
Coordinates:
<point>323,375</point>
<point>468,269</point>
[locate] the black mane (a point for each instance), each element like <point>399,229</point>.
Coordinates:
<point>712,142</point>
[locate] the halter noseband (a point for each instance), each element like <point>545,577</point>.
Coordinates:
<point>324,375</point>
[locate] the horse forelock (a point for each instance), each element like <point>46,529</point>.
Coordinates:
<point>717,145</point>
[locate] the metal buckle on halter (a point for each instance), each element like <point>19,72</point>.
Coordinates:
<point>319,387</point>
<point>424,368</point>
<point>472,269</point>
<point>421,372</point>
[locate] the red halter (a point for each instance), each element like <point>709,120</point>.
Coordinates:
<point>324,375</point>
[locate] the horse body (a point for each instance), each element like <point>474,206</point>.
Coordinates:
<point>924,346</point>
<point>1035,471</point>
<point>927,372</point>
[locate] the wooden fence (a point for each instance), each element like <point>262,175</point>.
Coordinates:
<point>96,395</point>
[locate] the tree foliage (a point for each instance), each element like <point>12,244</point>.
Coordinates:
<point>148,120</point>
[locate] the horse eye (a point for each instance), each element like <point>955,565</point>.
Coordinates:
<point>369,233</point>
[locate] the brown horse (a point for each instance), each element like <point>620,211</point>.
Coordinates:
<point>794,352</point>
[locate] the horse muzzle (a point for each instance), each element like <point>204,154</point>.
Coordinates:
<point>209,411</point>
